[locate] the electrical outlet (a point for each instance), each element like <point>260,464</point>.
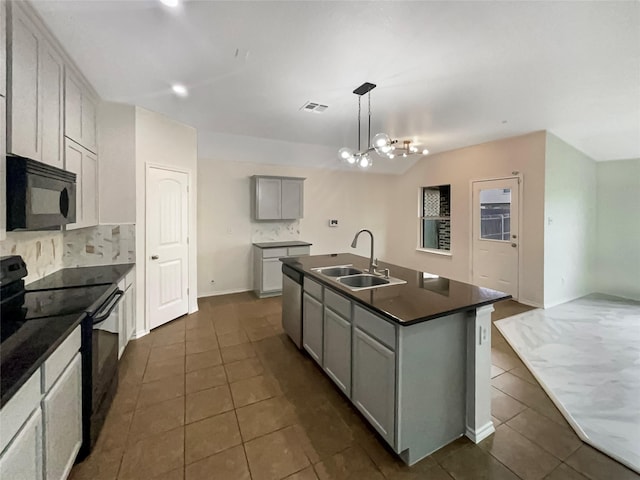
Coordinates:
<point>333,223</point>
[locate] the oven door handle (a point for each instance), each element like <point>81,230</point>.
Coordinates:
<point>111,304</point>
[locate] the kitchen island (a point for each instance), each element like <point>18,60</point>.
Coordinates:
<point>414,356</point>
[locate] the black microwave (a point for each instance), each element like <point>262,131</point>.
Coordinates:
<point>39,196</point>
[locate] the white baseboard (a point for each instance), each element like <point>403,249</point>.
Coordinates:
<point>476,436</point>
<point>139,334</point>
<point>224,292</point>
<point>530,303</point>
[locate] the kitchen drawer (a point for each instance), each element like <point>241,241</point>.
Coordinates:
<point>130,278</point>
<point>375,326</point>
<point>59,360</point>
<point>297,251</point>
<point>274,252</point>
<point>16,412</point>
<point>313,288</point>
<point>337,303</point>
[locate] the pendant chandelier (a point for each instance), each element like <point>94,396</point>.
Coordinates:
<point>381,143</point>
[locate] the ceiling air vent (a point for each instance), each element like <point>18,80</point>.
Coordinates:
<point>314,107</point>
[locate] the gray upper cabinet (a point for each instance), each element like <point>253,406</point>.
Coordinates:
<point>292,198</point>
<point>277,198</point>
<point>35,92</point>
<point>79,112</point>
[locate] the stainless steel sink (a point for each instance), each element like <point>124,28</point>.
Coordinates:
<point>339,271</point>
<point>364,280</point>
<point>356,279</point>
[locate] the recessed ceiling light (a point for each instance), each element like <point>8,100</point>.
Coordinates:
<point>170,3</point>
<point>180,90</point>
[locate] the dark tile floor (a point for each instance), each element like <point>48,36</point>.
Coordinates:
<point>223,394</point>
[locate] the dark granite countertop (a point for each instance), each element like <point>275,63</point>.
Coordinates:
<point>82,276</point>
<point>292,243</point>
<point>50,310</point>
<point>422,298</point>
<point>28,348</point>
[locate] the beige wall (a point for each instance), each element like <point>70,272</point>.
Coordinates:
<point>226,231</point>
<point>116,137</point>
<point>618,259</point>
<point>459,168</point>
<point>570,223</point>
<point>162,141</point>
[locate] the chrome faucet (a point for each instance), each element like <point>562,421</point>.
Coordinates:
<point>372,262</point>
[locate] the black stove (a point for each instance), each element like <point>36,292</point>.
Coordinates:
<point>36,318</point>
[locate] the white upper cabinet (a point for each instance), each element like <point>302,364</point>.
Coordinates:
<point>79,112</point>
<point>51,91</point>
<point>84,164</point>
<point>277,198</point>
<point>35,92</point>
<point>3,49</point>
<point>23,136</point>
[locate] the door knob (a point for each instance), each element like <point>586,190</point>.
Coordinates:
<point>513,245</point>
<point>154,257</point>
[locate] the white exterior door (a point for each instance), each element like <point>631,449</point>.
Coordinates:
<point>167,245</point>
<point>495,235</point>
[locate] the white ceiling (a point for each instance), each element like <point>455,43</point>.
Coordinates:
<point>449,74</point>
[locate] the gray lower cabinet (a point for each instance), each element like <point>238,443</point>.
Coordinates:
<point>62,408</point>
<point>267,267</point>
<point>374,383</point>
<point>312,327</point>
<point>271,274</point>
<point>23,458</point>
<point>337,349</point>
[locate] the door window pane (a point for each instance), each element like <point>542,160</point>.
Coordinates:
<point>495,214</point>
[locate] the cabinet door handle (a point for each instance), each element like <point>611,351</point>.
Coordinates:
<point>154,257</point>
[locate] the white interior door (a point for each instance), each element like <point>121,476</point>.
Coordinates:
<point>167,245</point>
<point>495,235</point>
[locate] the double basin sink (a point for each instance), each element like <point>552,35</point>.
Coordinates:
<point>356,279</point>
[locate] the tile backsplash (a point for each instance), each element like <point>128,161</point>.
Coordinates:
<point>101,245</point>
<point>275,231</point>
<point>46,252</point>
<point>41,251</point>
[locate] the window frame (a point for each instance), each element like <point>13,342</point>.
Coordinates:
<point>421,218</point>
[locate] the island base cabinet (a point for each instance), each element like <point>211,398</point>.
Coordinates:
<point>374,383</point>
<point>312,327</point>
<point>22,460</point>
<point>337,350</point>
<point>62,408</point>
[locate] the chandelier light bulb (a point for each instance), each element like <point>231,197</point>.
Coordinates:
<point>404,155</point>
<point>364,162</point>
<point>345,154</point>
<point>381,140</point>
<point>391,155</point>
<point>351,160</point>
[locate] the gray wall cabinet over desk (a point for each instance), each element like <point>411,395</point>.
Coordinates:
<point>277,198</point>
